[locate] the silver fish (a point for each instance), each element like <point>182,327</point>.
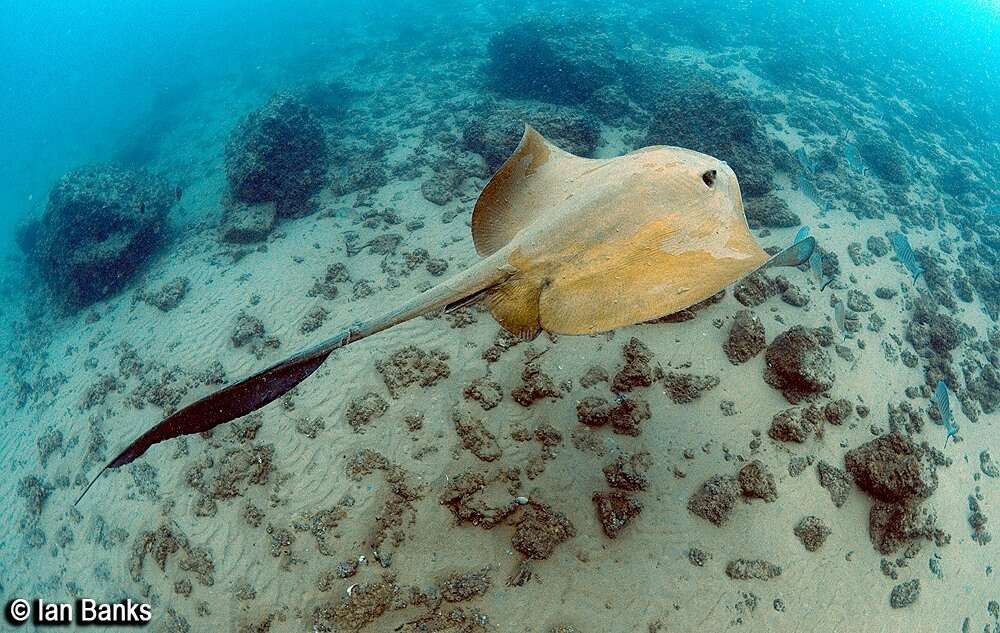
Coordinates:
<point>804,161</point>
<point>840,314</point>
<point>816,267</point>
<point>905,254</point>
<point>940,398</point>
<point>853,158</point>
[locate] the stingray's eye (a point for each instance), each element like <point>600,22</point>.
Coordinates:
<point>709,177</point>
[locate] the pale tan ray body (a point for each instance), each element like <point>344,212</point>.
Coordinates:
<point>591,245</point>
<point>570,245</point>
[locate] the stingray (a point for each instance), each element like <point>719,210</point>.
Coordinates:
<point>569,245</point>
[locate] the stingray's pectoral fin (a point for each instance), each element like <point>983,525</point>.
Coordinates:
<point>514,304</point>
<point>229,403</point>
<point>795,255</point>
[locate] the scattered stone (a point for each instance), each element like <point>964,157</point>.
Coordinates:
<point>892,468</point>
<point>488,393</point>
<point>536,385</point>
<point>698,557</point>
<point>894,525</point>
<point>539,530</point>
<point>625,415</point>
<point>246,223</point>
<point>858,301</point>
<point>744,569</point>
<point>985,464</point>
<point>462,587</point>
<point>615,510</point>
<point>716,499</point>
<point>838,411</point>
<point>362,410</point>
<point>797,365</point>
<point>836,482</point>
<point>757,482</point>
<point>628,474</point>
<point>812,531</point>
<point>314,319</point>
<point>796,425</point>
<point>637,371</point>
<point>594,376</point>
<point>905,594</point>
<point>475,437</point>
<point>685,388</point>
<point>412,365</point>
<point>746,337</point>
<point>169,295</point>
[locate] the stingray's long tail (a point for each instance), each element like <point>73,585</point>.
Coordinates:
<point>267,385</point>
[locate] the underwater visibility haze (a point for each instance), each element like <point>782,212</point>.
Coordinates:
<point>530,317</point>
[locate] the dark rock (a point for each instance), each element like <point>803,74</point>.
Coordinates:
<point>885,157</point>
<point>892,468</point>
<point>100,226</point>
<point>797,365</point>
<point>744,569</point>
<point>905,594</point>
<point>246,223</point>
<point>769,211</point>
<point>716,499</point>
<point>277,154</point>
<point>746,337</point>
<point>757,482</point>
<point>637,372</point>
<point>835,480</point>
<point>720,122</point>
<point>812,531</point>
<point>539,530</point>
<point>685,388</point>
<point>615,510</point>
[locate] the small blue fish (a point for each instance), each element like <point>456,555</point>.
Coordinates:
<point>816,267</point>
<point>940,398</point>
<point>853,158</point>
<point>804,161</point>
<point>905,254</point>
<point>840,314</point>
<point>807,189</point>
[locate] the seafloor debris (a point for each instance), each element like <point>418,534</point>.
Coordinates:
<point>615,510</point>
<point>797,365</point>
<point>746,337</point>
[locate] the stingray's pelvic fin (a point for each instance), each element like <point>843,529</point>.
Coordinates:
<point>795,255</point>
